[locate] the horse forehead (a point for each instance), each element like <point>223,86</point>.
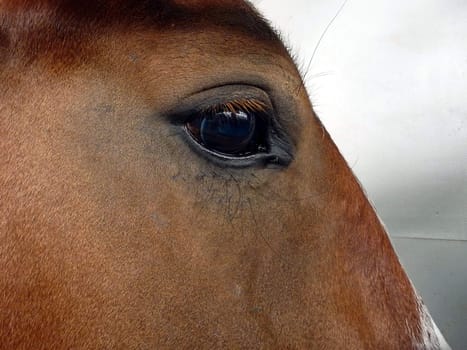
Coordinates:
<point>123,3</point>
<point>53,28</point>
<point>162,12</point>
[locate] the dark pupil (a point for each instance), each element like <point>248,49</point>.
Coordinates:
<point>232,133</point>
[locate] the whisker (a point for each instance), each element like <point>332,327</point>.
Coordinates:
<point>307,69</point>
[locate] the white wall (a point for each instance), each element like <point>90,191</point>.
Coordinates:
<point>389,81</point>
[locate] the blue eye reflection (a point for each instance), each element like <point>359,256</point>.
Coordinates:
<point>238,133</point>
<point>227,132</point>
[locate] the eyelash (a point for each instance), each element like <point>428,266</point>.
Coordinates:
<point>246,105</point>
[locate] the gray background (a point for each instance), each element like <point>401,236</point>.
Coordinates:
<point>389,81</point>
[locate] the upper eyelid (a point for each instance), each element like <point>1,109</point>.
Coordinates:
<point>246,105</point>
<point>221,98</point>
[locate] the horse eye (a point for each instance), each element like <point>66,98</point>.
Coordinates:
<point>234,134</point>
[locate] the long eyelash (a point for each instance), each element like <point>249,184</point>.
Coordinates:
<point>246,105</point>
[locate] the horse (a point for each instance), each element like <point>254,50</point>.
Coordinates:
<point>166,183</point>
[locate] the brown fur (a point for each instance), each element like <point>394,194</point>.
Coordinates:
<point>61,30</point>
<point>115,235</point>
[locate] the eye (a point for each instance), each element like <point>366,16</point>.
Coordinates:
<point>229,131</point>
<point>234,126</point>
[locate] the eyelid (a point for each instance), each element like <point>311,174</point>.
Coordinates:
<point>224,97</point>
<point>245,105</point>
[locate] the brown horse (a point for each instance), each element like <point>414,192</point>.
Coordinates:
<point>165,183</point>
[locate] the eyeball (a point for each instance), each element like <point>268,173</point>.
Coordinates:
<point>232,133</point>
